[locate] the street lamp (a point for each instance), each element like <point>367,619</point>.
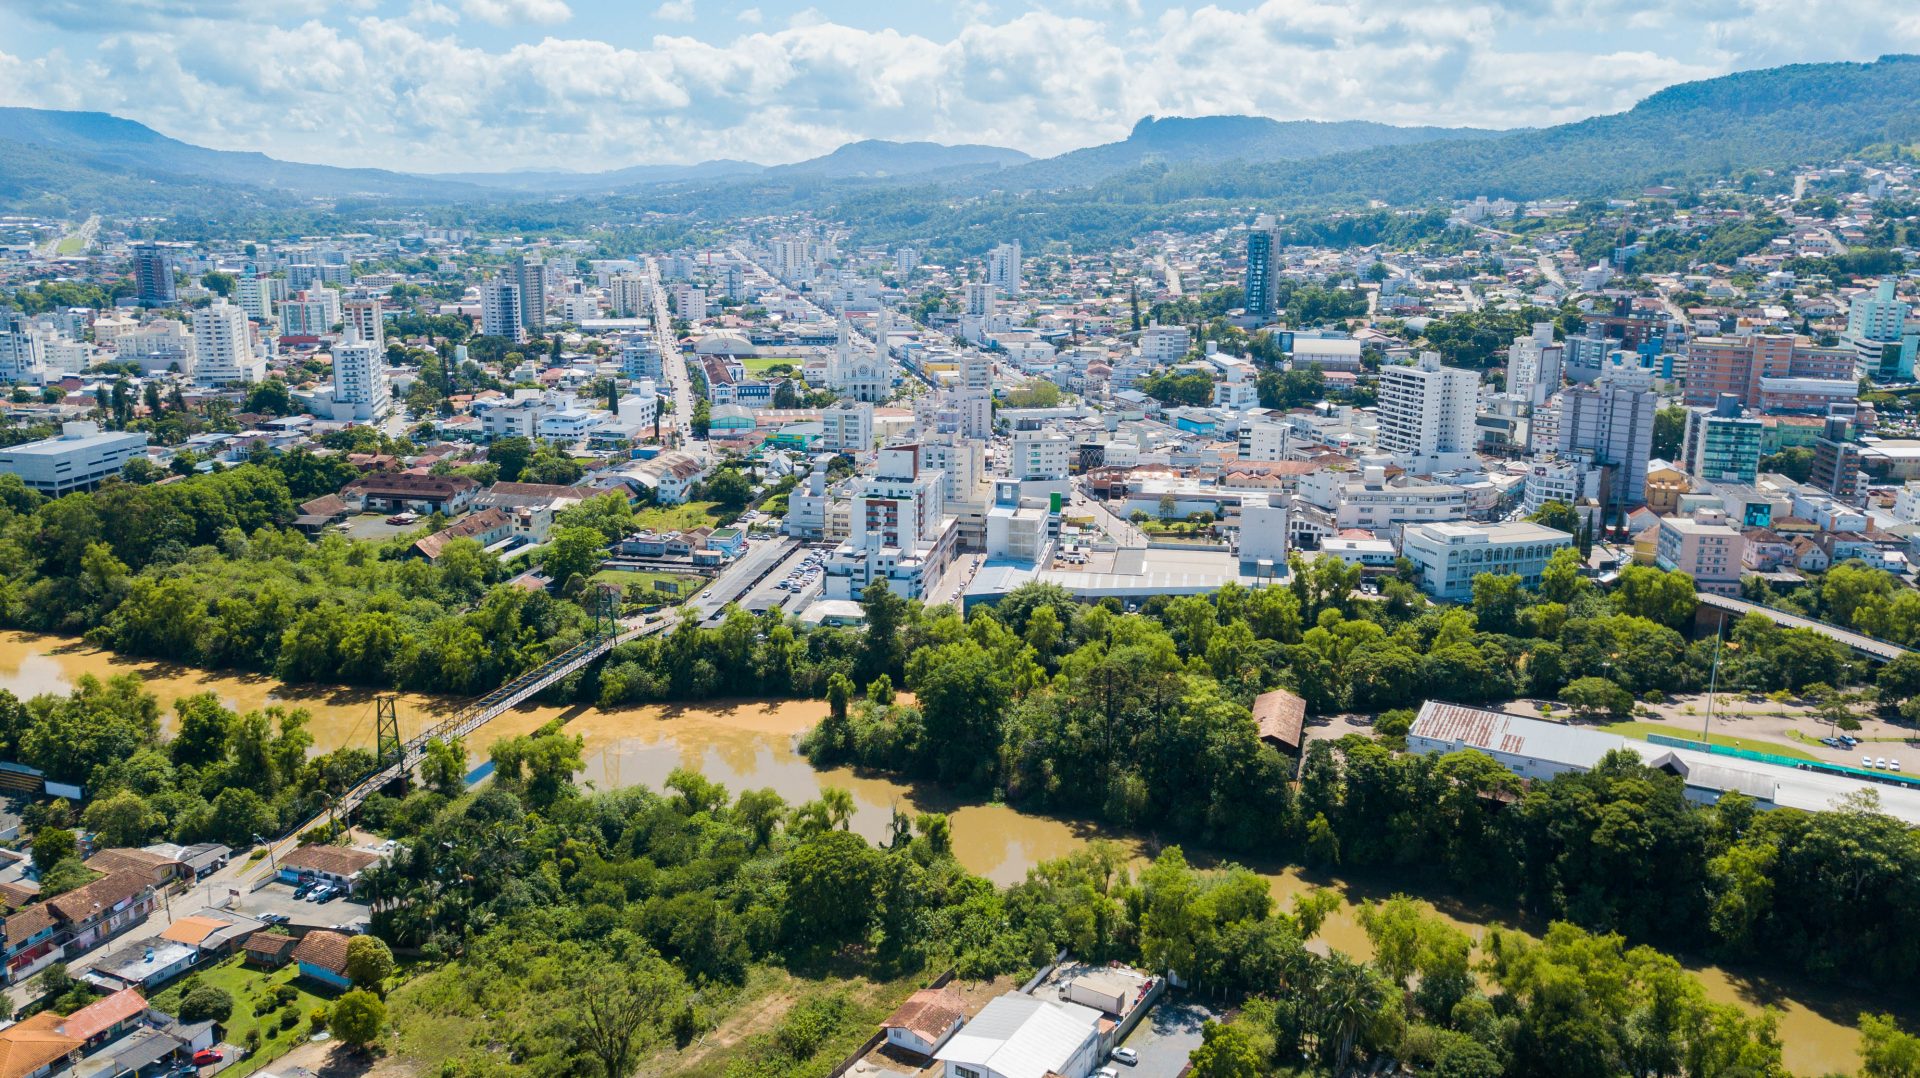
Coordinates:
<point>271,863</point>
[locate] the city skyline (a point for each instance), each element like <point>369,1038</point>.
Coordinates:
<point>425,85</point>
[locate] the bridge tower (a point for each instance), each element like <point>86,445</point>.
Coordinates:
<point>386,738</point>
<point>605,609</point>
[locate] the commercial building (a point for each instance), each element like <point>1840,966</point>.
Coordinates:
<point>1707,546</point>
<point>1039,455</point>
<point>900,530</point>
<point>1450,554</point>
<point>1164,344</point>
<point>1426,413</point>
<point>1538,749</point>
<point>1022,1036</point>
<point>1877,331</point>
<point>1743,366</point>
<point>223,346</point>
<point>78,459</point>
<point>1722,443</point>
<point>1837,459</point>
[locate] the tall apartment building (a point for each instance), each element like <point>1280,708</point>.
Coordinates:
<point>1165,344</point>
<point>1769,371</point>
<point>530,274</point>
<point>1039,455</point>
<point>500,310</point>
<point>980,299</point>
<point>23,355</point>
<point>899,530</point>
<point>1534,365</point>
<point>364,316</point>
<point>1426,412</point>
<point>1612,420</point>
<point>640,357</point>
<point>161,345</point>
<point>1722,444</point>
<point>1258,283</point>
<point>360,386</point>
<point>153,276</point>
<point>1003,268</point>
<point>223,346</point>
<point>1837,458</point>
<point>847,427</point>
<point>630,295</point>
<point>312,313</point>
<point>1706,546</point>
<point>254,295</point>
<point>1877,332</point>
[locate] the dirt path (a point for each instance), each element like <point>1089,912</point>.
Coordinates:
<point>331,1059</point>
<point>755,1016</point>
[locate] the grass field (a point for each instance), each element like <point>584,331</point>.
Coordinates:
<point>690,583</point>
<point>71,245</point>
<point>1640,730</point>
<point>677,518</point>
<point>759,364</point>
<point>249,986</point>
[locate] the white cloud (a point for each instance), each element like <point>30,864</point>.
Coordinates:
<point>515,12</point>
<point>414,91</point>
<point>674,11</point>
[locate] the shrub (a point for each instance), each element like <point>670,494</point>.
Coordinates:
<point>205,1002</point>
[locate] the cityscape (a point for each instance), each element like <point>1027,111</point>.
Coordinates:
<point>1429,589</point>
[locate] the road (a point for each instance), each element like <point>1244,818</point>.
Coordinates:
<point>1123,532</point>
<point>82,237</point>
<point>672,364</point>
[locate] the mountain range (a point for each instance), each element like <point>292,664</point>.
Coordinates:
<point>1737,125</point>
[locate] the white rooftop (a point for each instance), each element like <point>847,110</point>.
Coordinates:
<point>1020,1036</point>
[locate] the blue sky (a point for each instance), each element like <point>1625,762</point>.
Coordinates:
<point>434,85</point>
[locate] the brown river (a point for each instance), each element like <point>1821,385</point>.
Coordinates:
<point>748,744</point>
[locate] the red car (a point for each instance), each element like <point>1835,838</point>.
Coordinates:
<point>206,1057</point>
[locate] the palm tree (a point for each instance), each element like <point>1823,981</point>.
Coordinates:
<point>1349,993</point>
<point>839,806</point>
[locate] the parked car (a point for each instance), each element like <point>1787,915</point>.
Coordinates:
<point>1880,761</point>
<point>206,1057</point>
<point>1866,761</point>
<point>274,918</point>
<point>1893,765</point>
<point>1127,1056</point>
<point>304,889</point>
<point>1106,1072</point>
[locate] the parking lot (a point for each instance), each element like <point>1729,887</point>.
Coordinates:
<point>1164,1039</point>
<point>277,898</point>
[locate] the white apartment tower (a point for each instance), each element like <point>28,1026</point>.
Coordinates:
<point>530,274</point>
<point>1003,268</point>
<point>360,378</point>
<point>22,352</point>
<point>980,299</point>
<point>223,346</point>
<point>629,295</point>
<point>1426,412</point>
<point>1534,365</point>
<point>899,530</point>
<point>1612,419</point>
<point>254,295</point>
<point>500,310</point>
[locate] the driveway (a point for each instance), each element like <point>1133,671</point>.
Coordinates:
<point>1165,1038</point>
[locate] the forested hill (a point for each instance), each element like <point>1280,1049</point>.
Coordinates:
<point>1748,122</point>
<point>1179,140</point>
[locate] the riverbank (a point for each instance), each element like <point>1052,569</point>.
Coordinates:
<point>751,744</point>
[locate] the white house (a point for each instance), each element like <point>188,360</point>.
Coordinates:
<point>926,1020</point>
<point>1020,1036</point>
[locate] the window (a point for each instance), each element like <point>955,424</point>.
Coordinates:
<point>965,1072</point>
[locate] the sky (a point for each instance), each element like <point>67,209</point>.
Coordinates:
<point>491,85</point>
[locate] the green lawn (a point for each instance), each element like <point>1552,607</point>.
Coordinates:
<point>1640,730</point>
<point>690,583</point>
<point>675,518</point>
<point>759,364</point>
<point>71,245</point>
<point>250,986</point>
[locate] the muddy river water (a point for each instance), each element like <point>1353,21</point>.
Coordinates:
<point>748,744</point>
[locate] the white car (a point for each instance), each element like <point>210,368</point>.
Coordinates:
<point>1893,765</point>
<point>1880,761</point>
<point>1866,761</point>
<point>1127,1056</point>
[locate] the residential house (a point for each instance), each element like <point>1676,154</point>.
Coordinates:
<point>486,527</point>
<point>333,864</point>
<point>1281,717</point>
<point>318,514</point>
<point>322,956</point>
<point>102,909</point>
<point>158,869</point>
<point>269,950</point>
<point>144,964</point>
<point>923,1023</point>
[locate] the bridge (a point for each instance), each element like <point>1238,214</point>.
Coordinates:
<point>1872,647</point>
